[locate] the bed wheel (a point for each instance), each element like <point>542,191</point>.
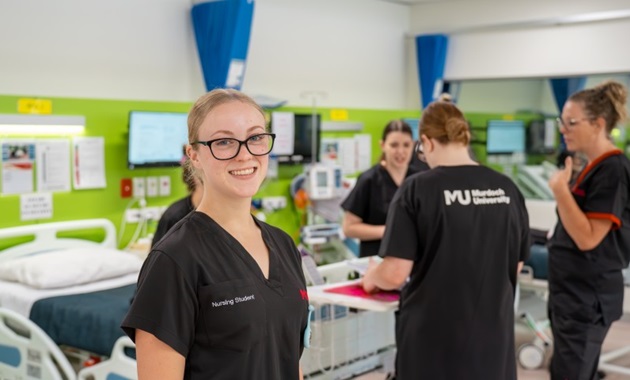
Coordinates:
<point>530,356</point>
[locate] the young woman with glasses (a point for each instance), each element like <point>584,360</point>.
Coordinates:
<point>458,232</point>
<point>366,205</point>
<point>222,295</point>
<point>591,242</point>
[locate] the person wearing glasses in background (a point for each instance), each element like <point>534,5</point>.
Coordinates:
<point>222,295</point>
<point>366,205</point>
<point>460,233</point>
<point>591,241</point>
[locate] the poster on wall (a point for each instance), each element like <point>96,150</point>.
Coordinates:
<point>88,159</point>
<point>18,157</point>
<point>36,206</point>
<point>53,165</point>
<point>283,125</point>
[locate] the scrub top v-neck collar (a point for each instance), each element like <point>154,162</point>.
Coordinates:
<point>274,281</point>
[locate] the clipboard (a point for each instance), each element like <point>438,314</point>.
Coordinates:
<point>351,294</point>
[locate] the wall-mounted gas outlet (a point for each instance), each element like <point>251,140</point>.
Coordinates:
<point>139,187</point>
<point>152,186</point>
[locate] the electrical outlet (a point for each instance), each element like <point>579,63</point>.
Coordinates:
<point>274,203</point>
<point>132,215</point>
<point>151,213</point>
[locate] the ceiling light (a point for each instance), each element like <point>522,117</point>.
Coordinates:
<point>41,125</point>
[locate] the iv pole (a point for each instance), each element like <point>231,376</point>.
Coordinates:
<point>314,95</point>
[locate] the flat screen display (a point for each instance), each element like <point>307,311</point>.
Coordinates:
<point>505,137</point>
<point>303,138</point>
<point>156,139</point>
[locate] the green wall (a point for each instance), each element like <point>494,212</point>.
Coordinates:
<point>108,118</point>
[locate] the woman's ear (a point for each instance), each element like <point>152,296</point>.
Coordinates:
<point>427,144</point>
<point>600,122</point>
<point>193,155</point>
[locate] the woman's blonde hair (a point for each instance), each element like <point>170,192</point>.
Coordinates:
<point>607,100</point>
<point>202,107</point>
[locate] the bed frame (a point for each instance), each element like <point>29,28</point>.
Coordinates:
<point>26,351</point>
<point>45,237</point>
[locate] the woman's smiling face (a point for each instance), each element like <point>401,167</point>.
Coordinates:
<point>242,175</point>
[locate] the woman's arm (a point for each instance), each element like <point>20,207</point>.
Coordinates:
<point>156,359</point>
<point>390,274</point>
<point>586,233</point>
<point>354,227</point>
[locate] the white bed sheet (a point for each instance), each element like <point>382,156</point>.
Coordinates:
<point>20,298</point>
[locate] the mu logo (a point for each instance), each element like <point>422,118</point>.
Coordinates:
<point>462,198</point>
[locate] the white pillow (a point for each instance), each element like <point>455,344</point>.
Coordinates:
<point>68,267</point>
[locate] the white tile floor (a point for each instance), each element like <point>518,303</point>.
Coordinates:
<point>618,336</point>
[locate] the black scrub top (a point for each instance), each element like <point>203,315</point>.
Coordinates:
<point>370,199</point>
<point>583,282</point>
<point>173,214</point>
<point>465,228</point>
<point>201,293</point>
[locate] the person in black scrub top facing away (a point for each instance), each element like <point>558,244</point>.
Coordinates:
<point>222,295</point>
<point>366,205</point>
<point>175,212</point>
<point>591,241</point>
<point>460,233</point>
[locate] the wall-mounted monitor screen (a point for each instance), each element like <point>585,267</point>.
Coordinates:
<point>303,139</point>
<point>156,139</point>
<point>505,137</point>
<point>541,136</point>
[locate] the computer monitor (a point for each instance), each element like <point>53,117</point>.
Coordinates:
<point>505,137</point>
<point>156,139</point>
<point>303,140</point>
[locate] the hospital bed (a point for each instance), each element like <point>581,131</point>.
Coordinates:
<point>74,305</point>
<point>350,335</point>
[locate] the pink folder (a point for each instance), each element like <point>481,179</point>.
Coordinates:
<point>356,290</point>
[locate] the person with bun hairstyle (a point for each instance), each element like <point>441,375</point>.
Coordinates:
<point>591,241</point>
<point>459,232</point>
<point>366,205</point>
<point>222,295</point>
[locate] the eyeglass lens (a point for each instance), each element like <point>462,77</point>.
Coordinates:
<point>227,148</point>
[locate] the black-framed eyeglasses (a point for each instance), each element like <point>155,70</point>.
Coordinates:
<point>419,151</point>
<point>227,148</point>
<point>569,124</point>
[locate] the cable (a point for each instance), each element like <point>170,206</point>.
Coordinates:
<point>123,222</point>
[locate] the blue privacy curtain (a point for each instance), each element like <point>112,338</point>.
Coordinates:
<point>222,30</point>
<point>562,88</point>
<point>431,53</point>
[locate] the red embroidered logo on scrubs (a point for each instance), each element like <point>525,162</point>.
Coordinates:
<point>304,294</point>
<point>579,192</point>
